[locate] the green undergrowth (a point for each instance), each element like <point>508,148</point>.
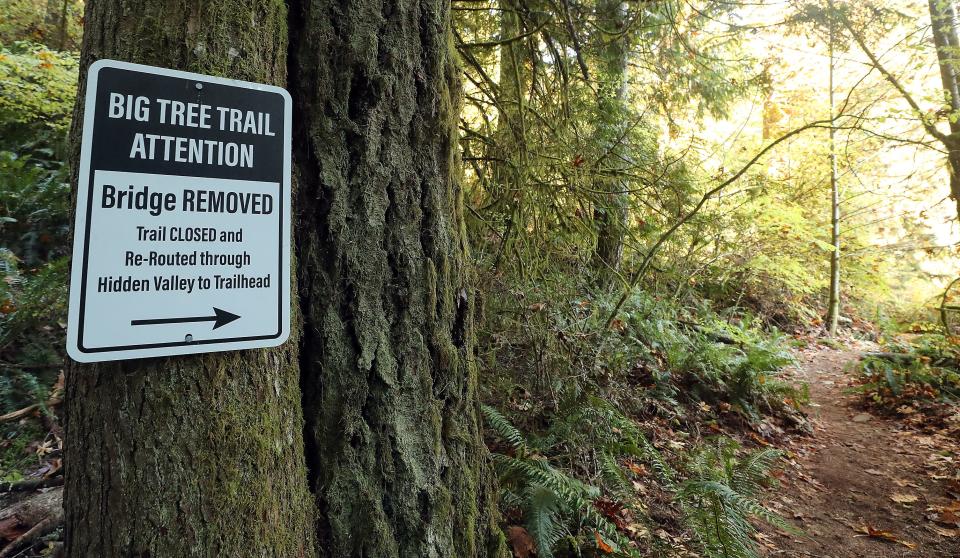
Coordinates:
<point>914,373</point>
<point>37,91</point>
<point>15,452</point>
<point>605,439</point>
<point>588,493</point>
<point>544,347</point>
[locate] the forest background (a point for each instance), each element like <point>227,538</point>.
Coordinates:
<point>653,194</point>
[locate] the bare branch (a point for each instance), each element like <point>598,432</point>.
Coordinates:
<point>645,263</point>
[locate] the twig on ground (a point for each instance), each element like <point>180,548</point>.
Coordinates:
<point>52,402</point>
<point>31,484</point>
<point>35,532</point>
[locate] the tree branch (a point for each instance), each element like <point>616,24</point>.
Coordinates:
<point>930,127</point>
<point>644,265</point>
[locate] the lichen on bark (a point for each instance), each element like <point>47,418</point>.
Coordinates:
<point>203,456</point>
<point>390,387</point>
<point>198,455</point>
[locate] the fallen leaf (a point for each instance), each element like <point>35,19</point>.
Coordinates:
<point>947,517</point>
<point>863,417</point>
<point>601,544</point>
<point>521,542</point>
<point>943,532</point>
<point>45,448</point>
<point>903,498</point>
<point>612,511</point>
<point>637,530</point>
<point>873,472</point>
<point>764,540</point>
<point>882,535</point>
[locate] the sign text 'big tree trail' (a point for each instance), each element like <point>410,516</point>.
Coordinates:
<point>182,235</point>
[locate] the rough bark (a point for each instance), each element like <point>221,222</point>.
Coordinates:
<point>390,387</point>
<point>199,455</point>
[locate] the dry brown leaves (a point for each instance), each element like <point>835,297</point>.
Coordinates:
<point>887,536</point>
<point>901,498</point>
<point>521,542</point>
<point>948,515</point>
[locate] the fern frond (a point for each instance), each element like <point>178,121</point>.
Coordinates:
<point>652,455</point>
<point>749,476</point>
<point>613,474</point>
<point>505,430</point>
<point>538,471</point>
<point>744,504</point>
<point>541,512</point>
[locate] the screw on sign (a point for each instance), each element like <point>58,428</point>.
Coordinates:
<point>182,240</point>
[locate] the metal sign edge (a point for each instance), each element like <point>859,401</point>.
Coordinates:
<point>80,221</point>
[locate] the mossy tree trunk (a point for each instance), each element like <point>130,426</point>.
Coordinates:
<point>203,456</point>
<point>390,386</point>
<point>510,160</point>
<point>611,209</point>
<point>199,455</point>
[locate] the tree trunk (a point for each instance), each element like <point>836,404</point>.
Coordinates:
<point>198,455</point>
<point>943,18</point>
<point>510,162</point>
<point>390,386</point>
<point>64,7</point>
<point>610,214</point>
<point>833,304</point>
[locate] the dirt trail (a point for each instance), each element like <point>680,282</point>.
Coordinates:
<point>843,478</point>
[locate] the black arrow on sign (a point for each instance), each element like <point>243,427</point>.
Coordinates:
<point>219,319</point>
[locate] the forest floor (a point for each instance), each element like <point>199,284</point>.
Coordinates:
<point>861,485</point>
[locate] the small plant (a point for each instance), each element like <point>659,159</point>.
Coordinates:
<point>15,453</point>
<point>927,369</point>
<point>719,498</point>
<point>550,500</point>
<point>715,491</point>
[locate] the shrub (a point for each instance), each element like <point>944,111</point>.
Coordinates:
<point>925,369</point>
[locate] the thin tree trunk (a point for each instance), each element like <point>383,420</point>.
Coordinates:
<point>943,17</point>
<point>200,455</point>
<point>833,304</point>
<point>610,214</point>
<point>510,164</point>
<point>64,6</point>
<point>390,385</point>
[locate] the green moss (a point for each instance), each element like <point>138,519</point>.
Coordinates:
<point>190,456</point>
<point>390,396</point>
